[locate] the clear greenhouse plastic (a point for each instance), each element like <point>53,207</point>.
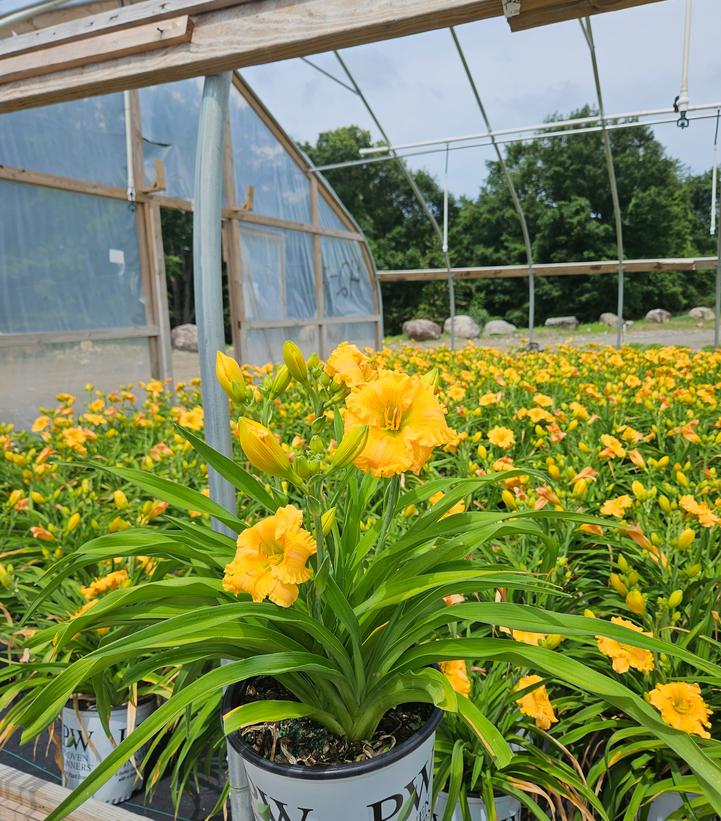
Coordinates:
<point>280,188</point>
<point>348,288</point>
<point>68,261</point>
<point>83,139</point>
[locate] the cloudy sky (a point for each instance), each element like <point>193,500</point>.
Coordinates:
<point>419,92</point>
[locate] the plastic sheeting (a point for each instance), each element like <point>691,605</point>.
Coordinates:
<point>169,124</point>
<point>328,217</point>
<point>38,372</point>
<point>280,188</point>
<point>278,277</point>
<point>362,334</point>
<point>348,286</point>
<point>83,139</point>
<point>67,261</point>
<point>265,345</point>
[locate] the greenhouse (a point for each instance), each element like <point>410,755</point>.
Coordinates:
<point>82,268</point>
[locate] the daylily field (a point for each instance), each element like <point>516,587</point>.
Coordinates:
<point>631,439</point>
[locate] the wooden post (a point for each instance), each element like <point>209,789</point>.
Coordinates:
<point>152,255</point>
<point>318,267</point>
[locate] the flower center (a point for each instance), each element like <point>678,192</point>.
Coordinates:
<point>392,418</point>
<point>680,705</point>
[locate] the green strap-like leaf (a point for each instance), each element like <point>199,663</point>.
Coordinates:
<point>258,712</point>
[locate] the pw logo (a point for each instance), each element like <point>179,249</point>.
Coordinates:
<point>398,807</point>
<point>76,738</point>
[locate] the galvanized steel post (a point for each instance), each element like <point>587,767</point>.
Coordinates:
<point>207,267</point>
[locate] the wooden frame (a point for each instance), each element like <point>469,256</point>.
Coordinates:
<point>229,34</point>
<point>553,269</point>
<point>99,334</point>
<point>148,203</point>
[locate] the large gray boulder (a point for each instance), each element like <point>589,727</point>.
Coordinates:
<point>464,327</point>
<point>701,313</point>
<point>608,319</point>
<point>658,315</point>
<point>498,327</point>
<point>421,330</point>
<point>567,322</point>
<point>185,338</point>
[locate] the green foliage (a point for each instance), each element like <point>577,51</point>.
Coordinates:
<point>563,186</point>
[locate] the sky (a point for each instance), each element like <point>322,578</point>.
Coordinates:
<point>417,87</point>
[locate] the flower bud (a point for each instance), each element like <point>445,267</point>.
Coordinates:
<point>281,381</point>
<point>301,466</point>
<point>262,449</point>
<point>675,598</point>
<point>681,478</point>
<point>350,448</point>
<point>295,361</point>
<point>589,614</point>
<point>327,521</point>
<point>636,602</point>
<point>686,538</point>
<point>509,499</point>
<point>580,488</point>
<point>228,372</point>
<point>638,490</point>
<point>432,379</point>
<point>313,360</point>
<point>664,503</point>
<point>316,445</point>
<point>554,472</point>
<point>120,499</point>
<point>72,523</point>
<point>616,583</point>
<point>693,571</point>
<point>622,563</point>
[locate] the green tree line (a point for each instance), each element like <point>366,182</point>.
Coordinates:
<point>563,186</point>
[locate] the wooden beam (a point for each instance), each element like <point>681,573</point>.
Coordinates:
<point>264,324</point>
<point>74,23</point>
<point>554,269</point>
<point>26,797</point>
<point>259,31</point>
<point>536,13</point>
<point>93,334</point>
<point>62,183</point>
<point>71,55</point>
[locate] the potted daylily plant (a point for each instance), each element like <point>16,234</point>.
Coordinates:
<point>327,603</point>
<point>541,775</point>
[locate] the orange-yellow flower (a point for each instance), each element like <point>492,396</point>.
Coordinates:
<point>405,422</point>
<point>612,447</point>
<point>706,517</point>
<point>682,706</point>
<point>503,438</point>
<point>104,584</point>
<point>626,656</point>
<point>536,703</point>
<point>270,560</point>
<point>352,367</point>
<point>39,532</point>
<point>457,673</point>
<point>617,506</point>
<point>459,507</point>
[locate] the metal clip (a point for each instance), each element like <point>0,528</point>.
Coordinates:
<point>511,8</point>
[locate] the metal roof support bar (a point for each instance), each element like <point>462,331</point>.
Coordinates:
<point>511,188</point>
<point>547,126</point>
<point>414,187</point>
<point>569,132</point>
<point>588,34</point>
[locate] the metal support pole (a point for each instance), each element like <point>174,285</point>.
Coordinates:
<point>511,188</point>
<point>681,102</point>
<point>717,318</point>
<point>444,245</point>
<point>588,34</point>
<point>207,279</point>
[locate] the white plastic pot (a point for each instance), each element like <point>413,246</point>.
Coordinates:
<point>86,745</point>
<point>663,805</point>
<point>395,786</point>
<point>507,808</point>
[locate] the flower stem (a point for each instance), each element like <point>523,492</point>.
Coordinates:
<point>389,506</point>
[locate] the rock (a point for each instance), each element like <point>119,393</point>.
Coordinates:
<point>465,327</point>
<point>568,322</point>
<point>701,313</point>
<point>608,319</point>
<point>658,315</point>
<point>185,338</point>
<point>420,330</point>
<point>498,327</point>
